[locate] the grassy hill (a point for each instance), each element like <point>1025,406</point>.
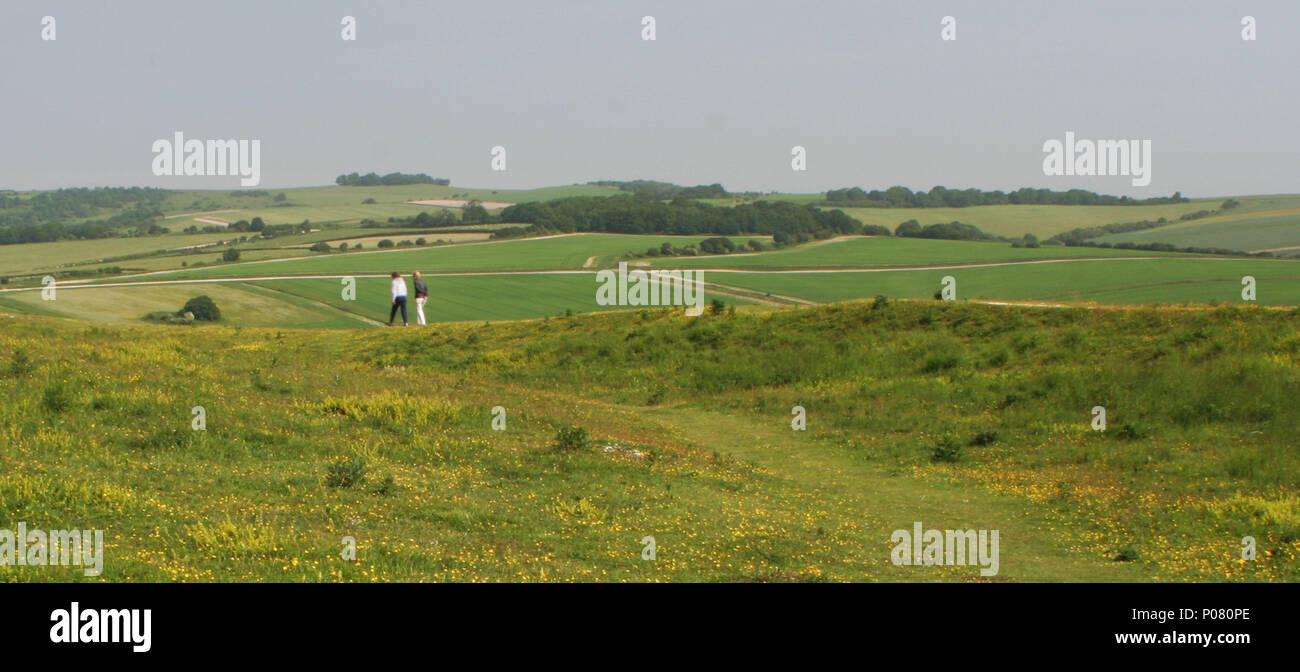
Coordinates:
<point>692,445</point>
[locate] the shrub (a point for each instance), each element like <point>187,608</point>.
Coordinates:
<point>21,365</point>
<point>939,361</point>
<point>57,398</point>
<point>881,301</point>
<point>203,308</point>
<point>571,439</point>
<point>230,255</point>
<point>716,307</point>
<point>345,472</point>
<point>984,438</point>
<point>322,246</point>
<point>386,243</point>
<point>946,449</point>
<point>1127,554</point>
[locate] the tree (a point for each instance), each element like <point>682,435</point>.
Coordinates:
<point>203,308</point>
<point>910,228</point>
<point>230,255</point>
<point>257,224</point>
<point>474,214</point>
<point>321,246</point>
<point>387,242</point>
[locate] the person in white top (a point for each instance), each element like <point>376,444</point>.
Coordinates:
<point>399,299</point>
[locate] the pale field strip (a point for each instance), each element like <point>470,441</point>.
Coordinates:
<point>457,203</point>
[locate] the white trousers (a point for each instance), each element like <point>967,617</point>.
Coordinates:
<point>419,309</point>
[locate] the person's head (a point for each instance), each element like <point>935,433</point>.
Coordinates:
<point>396,275</point>
<point>416,275</point>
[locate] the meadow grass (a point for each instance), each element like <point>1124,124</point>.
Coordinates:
<point>690,421</point>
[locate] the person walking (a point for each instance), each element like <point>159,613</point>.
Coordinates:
<point>421,296</point>
<point>399,299</point>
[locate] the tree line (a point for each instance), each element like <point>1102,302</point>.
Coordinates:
<point>662,191</point>
<point>786,222</point>
<point>389,180</point>
<point>942,197</point>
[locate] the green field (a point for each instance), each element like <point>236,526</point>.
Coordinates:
<point>1129,281</point>
<point>957,415</point>
<point>877,251</point>
<point>1014,221</point>
<point>550,253</point>
<point>318,302</point>
<point>1249,233</point>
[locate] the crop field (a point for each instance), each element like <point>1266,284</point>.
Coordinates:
<point>1125,281</point>
<point>1014,221</point>
<point>1250,232</point>
<point>877,251</point>
<point>556,252</point>
<point>458,298</point>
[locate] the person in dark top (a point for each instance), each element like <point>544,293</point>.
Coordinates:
<point>421,296</point>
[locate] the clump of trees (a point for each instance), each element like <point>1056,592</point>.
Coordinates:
<point>203,308</point>
<point>785,222</point>
<point>661,191</point>
<point>943,231</point>
<point>389,180</point>
<point>198,309</point>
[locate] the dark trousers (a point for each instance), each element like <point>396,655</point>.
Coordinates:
<point>399,302</point>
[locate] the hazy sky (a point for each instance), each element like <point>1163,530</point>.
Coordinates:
<point>574,94</point>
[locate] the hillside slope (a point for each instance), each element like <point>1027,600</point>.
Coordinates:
<point>691,421</point>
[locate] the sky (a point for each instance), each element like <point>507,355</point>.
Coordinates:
<point>573,93</point>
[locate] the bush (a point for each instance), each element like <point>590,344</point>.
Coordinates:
<point>230,255</point>
<point>345,472</point>
<point>716,307</point>
<point>21,365</point>
<point>571,439</point>
<point>940,361</point>
<point>386,243</point>
<point>1127,554</point>
<point>881,301</point>
<point>946,449</point>
<point>322,246</point>
<point>57,398</point>
<point>203,308</point>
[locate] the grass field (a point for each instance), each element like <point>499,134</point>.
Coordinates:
<point>1246,232</point>
<point>1127,281</point>
<point>557,252</point>
<point>692,444</point>
<point>1014,221</point>
<point>876,251</point>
